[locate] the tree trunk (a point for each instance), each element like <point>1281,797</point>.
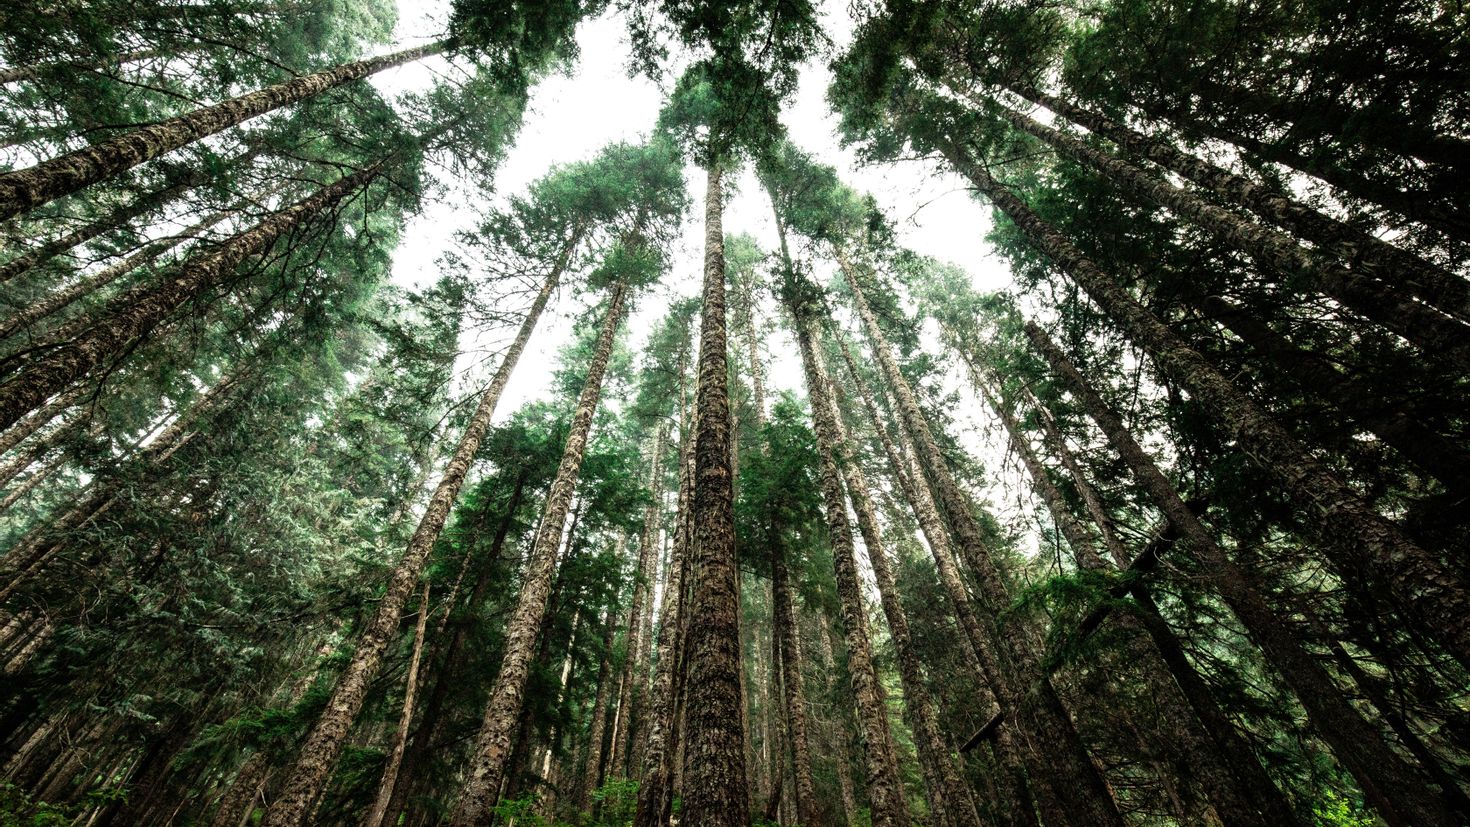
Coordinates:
<point>884,788</point>
<point>655,789</point>
<point>715,785</point>
<point>949,797</point>
<point>18,432</point>
<point>323,744</point>
<point>1437,335</point>
<point>1179,733</point>
<point>788,665</point>
<point>25,189</point>
<point>1357,538</point>
<point>635,681</point>
<point>1401,794</point>
<point>1071,787</point>
<point>592,773</point>
<point>1374,256</point>
<point>16,74</point>
<point>87,285</point>
<point>1434,454</point>
<point>132,314</point>
<point>400,736</point>
<point>507,695</point>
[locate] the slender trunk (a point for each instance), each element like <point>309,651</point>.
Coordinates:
<point>787,645</point>
<point>35,548</point>
<point>1366,252</point>
<point>1355,537</point>
<point>60,299</point>
<point>592,773</point>
<point>114,220</point>
<point>1452,222</point>
<point>949,797</point>
<point>1179,734</point>
<point>18,432</point>
<point>25,189</point>
<point>400,736</point>
<point>1237,752</point>
<point>884,788</point>
<point>1436,455</point>
<point>1437,335</point>
<point>1401,794</point>
<point>635,681</point>
<point>1071,788</point>
<point>132,314</point>
<point>716,789</point>
<point>43,446</point>
<point>239,798</point>
<point>323,744</point>
<point>34,71</point>
<point>507,695</point>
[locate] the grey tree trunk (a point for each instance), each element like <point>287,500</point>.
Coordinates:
<point>319,752</point>
<point>25,189</point>
<point>507,695</point>
<point>716,791</point>
<point>1355,537</point>
<point>1400,793</point>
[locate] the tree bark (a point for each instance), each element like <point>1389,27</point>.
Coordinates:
<point>400,736</point>
<point>1374,256</point>
<point>60,299</point>
<point>25,189</point>
<point>949,797</point>
<point>715,783</point>
<point>1434,454</point>
<point>592,772</point>
<point>1398,791</point>
<point>507,695</point>
<point>656,786</point>
<point>1072,788</point>
<point>1179,734</point>
<point>318,754</point>
<point>1355,537</point>
<point>133,313</point>
<point>635,678</point>
<point>884,788</point>
<point>1437,335</point>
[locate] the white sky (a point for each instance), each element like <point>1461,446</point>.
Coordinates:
<point>573,116</point>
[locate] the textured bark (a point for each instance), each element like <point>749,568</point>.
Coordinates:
<point>25,189</point>
<point>114,220</point>
<point>40,448</point>
<point>716,793</point>
<point>1178,733</point>
<point>786,639</point>
<point>1354,536</point>
<point>597,730</point>
<point>21,430</point>
<point>1436,334</point>
<point>234,806</point>
<point>1366,252</point>
<point>60,299</point>
<point>1401,794</point>
<point>1434,454</point>
<point>35,548</point>
<point>405,719</point>
<point>884,788</point>
<point>1070,786</point>
<point>656,786</point>
<point>16,74</point>
<point>1236,751</point>
<point>635,675</point>
<point>324,743</point>
<point>507,695</point>
<point>949,797</point>
<point>1413,205</point>
<point>132,314</point>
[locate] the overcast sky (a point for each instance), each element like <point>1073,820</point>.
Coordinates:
<point>574,115</point>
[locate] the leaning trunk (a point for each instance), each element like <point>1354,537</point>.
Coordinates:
<point>25,189</point>
<point>503,709</point>
<point>323,744</point>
